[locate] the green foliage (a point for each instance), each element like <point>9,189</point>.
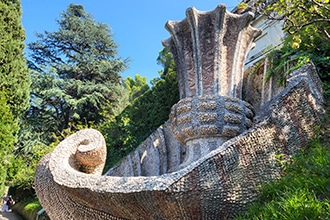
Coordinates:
<point>136,87</point>
<point>14,83</point>
<point>286,59</point>
<point>283,61</point>
<point>143,116</point>
<point>242,5</point>
<point>76,75</point>
<point>304,191</point>
<point>307,24</point>
<point>23,169</point>
<point>75,84</point>
<point>299,15</point>
<point>165,59</point>
<point>152,109</point>
<point>28,208</point>
<point>8,129</point>
<point>14,76</point>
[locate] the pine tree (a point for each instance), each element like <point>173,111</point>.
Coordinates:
<point>76,78</point>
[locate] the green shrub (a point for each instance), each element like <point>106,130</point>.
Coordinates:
<point>8,130</point>
<point>28,208</point>
<point>139,119</point>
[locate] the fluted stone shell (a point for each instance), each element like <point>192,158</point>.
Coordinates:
<point>209,50</point>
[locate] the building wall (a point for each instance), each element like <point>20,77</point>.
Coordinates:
<point>272,36</point>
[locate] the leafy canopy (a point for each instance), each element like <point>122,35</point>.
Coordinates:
<point>307,24</point>
<point>136,87</point>
<point>148,109</point>
<point>8,129</point>
<point>298,15</point>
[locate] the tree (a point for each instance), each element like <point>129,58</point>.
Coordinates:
<point>14,75</point>
<point>136,87</point>
<point>307,24</point>
<point>145,113</point>
<point>76,74</point>
<point>165,59</point>
<point>14,82</point>
<point>8,129</point>
<point>298,15</point>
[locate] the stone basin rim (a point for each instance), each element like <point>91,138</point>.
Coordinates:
<point>64,174</point>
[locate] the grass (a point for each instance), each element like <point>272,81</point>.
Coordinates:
<point>302,193</point>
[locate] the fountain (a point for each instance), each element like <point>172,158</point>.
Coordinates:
<point>208,161</point>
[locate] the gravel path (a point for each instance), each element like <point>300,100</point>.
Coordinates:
<point>9,216</point>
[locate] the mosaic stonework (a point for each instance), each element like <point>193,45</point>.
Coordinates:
<point>210,116</point>
<point>210,159</point>
<point>209,49</point>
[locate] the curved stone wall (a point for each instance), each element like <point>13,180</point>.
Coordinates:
<point>215,186</point>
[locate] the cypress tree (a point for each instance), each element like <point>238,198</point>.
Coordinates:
<point>7,139</point>
<point>14,81</point>
<point>14,74</point>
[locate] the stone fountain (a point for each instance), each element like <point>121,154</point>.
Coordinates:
<point>208,161</point>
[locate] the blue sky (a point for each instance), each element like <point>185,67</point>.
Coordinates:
<point>137,25</point>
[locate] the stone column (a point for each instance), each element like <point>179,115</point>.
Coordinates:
<point>209,49</point>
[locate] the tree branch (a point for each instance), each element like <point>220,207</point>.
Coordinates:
<point>321,5</point>
<point>299,27</point>
<point>327,35</point>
